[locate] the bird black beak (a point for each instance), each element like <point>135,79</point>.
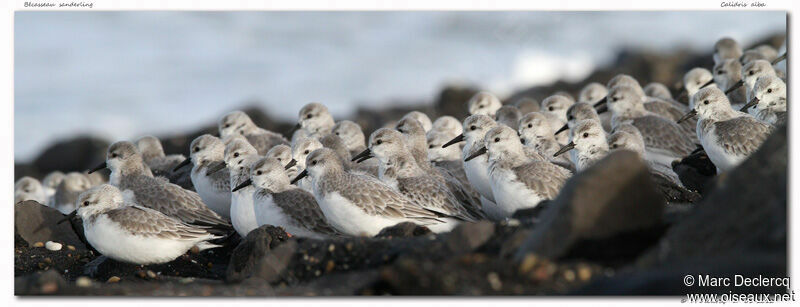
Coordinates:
<point>779,59</point>
<point>183,163</point>
<point>291,163</point>
<point>750,104</point>
<point>302,175</point>
<point>602,109</point>
<point>563,128</point>
<point>295,128</point>
<point>738,84</point>
<point>68,217</point>
<point>476,154</point>
<point>97,168</point>
<point>361,155</point>
<point>216,168</point>
<point>457,139</point>
<point>564,149</point>
<point>689,115</point>
<point>707,84</point>
<point>243,185</point>
<point>601,103</point>
<point>365,158</point>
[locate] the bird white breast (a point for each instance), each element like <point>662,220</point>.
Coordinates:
<point>217,201</point>
<point>511,194</point>
<point>349,219</point>
<point>477,171</point>
<point>108,238</point>
<point>716,152</point>
<point>268,213</point>
<point>243,216</point>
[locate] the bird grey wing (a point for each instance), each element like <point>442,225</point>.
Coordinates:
<point>171,200</point>
<point>664,134</point>
<point>301,206</point>
<point>673,113</point>
<point>543,177</point>
<point>375,198</point>
<point>265,140</point>
<point>221,178</point>
<point>465,193</point>
<point>741,136</point>
<point>147,222</point>
<point>433,196</point>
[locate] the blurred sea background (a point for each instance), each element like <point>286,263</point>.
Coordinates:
<point>120,75</point>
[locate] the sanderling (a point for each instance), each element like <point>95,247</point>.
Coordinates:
<point>475,127</point>
<point>135,234</point>
<point>728,73</point>
<point>592,94</point>
<point>769,100</point>
<point>729,136</point>
<point>657,90</point>
<point>239,156</point>
<point>527,104</point>
<point>28,188</point>
<point>751,55</point>
<point>566,95</point>
<point>300,150</point>
<point>67,192</point>
<point>588,142</point>
<point>769,52</point>
<point>508,115</point>
<point>664,139</point>
<point>237,122</point>
<point>423,119</point>
<point>752,71</point>
<point>484,103</point>
<point>447,124</point>
<point>518,181</point>
<point>206,153</point>
<point>283,153</point>
<point>578,112</point>
<point>437,153</point>
<point>351,134</point>
<point>633,141</point>
<point>695,79</point>
<point>128,172</point>
<point>279,203</point>
<point>51,182</point>
<point>314,120</point>
<point>358,204</point>
<point>555,108</point>
<point>163,165</point>
<point>536,133</point>
<point>406,176</point>
<point>726,48</point>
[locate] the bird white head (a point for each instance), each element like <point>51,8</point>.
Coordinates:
<point>484,103</point>
<point>592,93</point>
<point>527,104</point>
<point>315,118</point>
<point>727,72</point>
<point>476,126</point>
<point>770,93</point>
<point>150,147</point>
<point>658,90</point>
<point>535,125</point>
<point>302,148</point>
<point>711,103</point>
<point>625,100</point>
<point>123,158</point>
<point>282,153</point>
<point>236,122</point>
<point>447,124</point>
<point>557,105</point>
<point>623,140</point>
<point>206,148</point>
<point>696,78</point>
<point>28,188</point>
<point>423,119</point>
<point>268,173</point>
<point>321,162</point>
<point>508,115</point>
<point>726,48</point>
<point>503,143</point>
<point>98,199</point>
<point>751,71</point>
<point>435,141</point>
<point>351,134</point>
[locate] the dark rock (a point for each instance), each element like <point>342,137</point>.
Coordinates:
<point>673,192</point>
<point>41,283</point>
<point>25,169</point>
<point>403,230</point>
<point>453,101</point>
<point>467,237</point>
<point>73,155</point>
<point>529,216</point>
<point>37,223</point>
<point>695,171</point>
<point>256,248</point>
<point>745,211</point>
<point>612,197</point>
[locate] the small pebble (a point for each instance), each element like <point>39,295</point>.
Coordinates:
<point>53,246</point>
<point>195,250</point>
<point>38,244</point>
<point>494,281</point>
<point>584,273</point>
<point>528,263</point>
<point>331,248</point>
<point>569,275</point>
<point>70,247</point>
<point>210,265</point>
<point>49,287</point>
<point>113,279</point>
<point>329,266</point>
<point>48,260</point>
<point>151,274</point>
<point>83,282</point>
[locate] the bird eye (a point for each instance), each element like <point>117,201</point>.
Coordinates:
<point>305,152</point>
<point>85,203</point>
<point>379,142</point>
<point>314,162</point>
<point>550,108</point>
<point>430,146</point>
<point>241,132</point>
<point>480,106</point>
<point>258,173</point>
<point>235,154</point>
<point>472,127</point>
<point>241,168</point>
<point>227,125</point>
<point>530,125</point>
<point>699,83</point>
<point>613,145</point>
<point>719,72</point>
<point>309,116</point>
<point>114,155</point>
<point>337,133</point>
<point>586,134</point>
<point>196,149</point>
<point>769,90</point>
<point>751,72</point>
<point>496,140</point>
<point>705,101</point>
<point>240,162</point>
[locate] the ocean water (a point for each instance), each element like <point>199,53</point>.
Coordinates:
<point>120,75</point>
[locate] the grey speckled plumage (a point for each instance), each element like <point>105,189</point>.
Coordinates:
<point>146,222</point>
<point>301,207</point>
